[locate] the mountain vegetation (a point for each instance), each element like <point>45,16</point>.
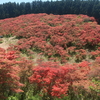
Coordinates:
<point>50,57</point>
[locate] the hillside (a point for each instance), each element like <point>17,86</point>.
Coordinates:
<point>42,42</point>
<point>59,37</point>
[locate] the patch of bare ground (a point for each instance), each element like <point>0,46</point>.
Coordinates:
<point>36,58</point>
<point>6,42</point>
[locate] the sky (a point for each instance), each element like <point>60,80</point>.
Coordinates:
<point>17,1</point>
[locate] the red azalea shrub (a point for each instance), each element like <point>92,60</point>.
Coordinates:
<point>80,54</point>
<point>98,60</point>
<point>51,81</point>
<point>9,73</point>
<point>54,81</point>
<point>94,75</point>
<point>95,69</point>
<point>94,54</point>
<point>26,67</point>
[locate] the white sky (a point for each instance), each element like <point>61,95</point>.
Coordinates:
<point>17,1</point>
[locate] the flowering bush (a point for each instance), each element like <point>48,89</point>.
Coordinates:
<point>9,73</point>
<point>55,81</point>
<point>51,81</point>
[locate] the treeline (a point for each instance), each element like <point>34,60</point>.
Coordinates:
<point>87,7</point>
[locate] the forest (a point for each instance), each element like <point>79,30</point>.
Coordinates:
<point>86,7</point>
